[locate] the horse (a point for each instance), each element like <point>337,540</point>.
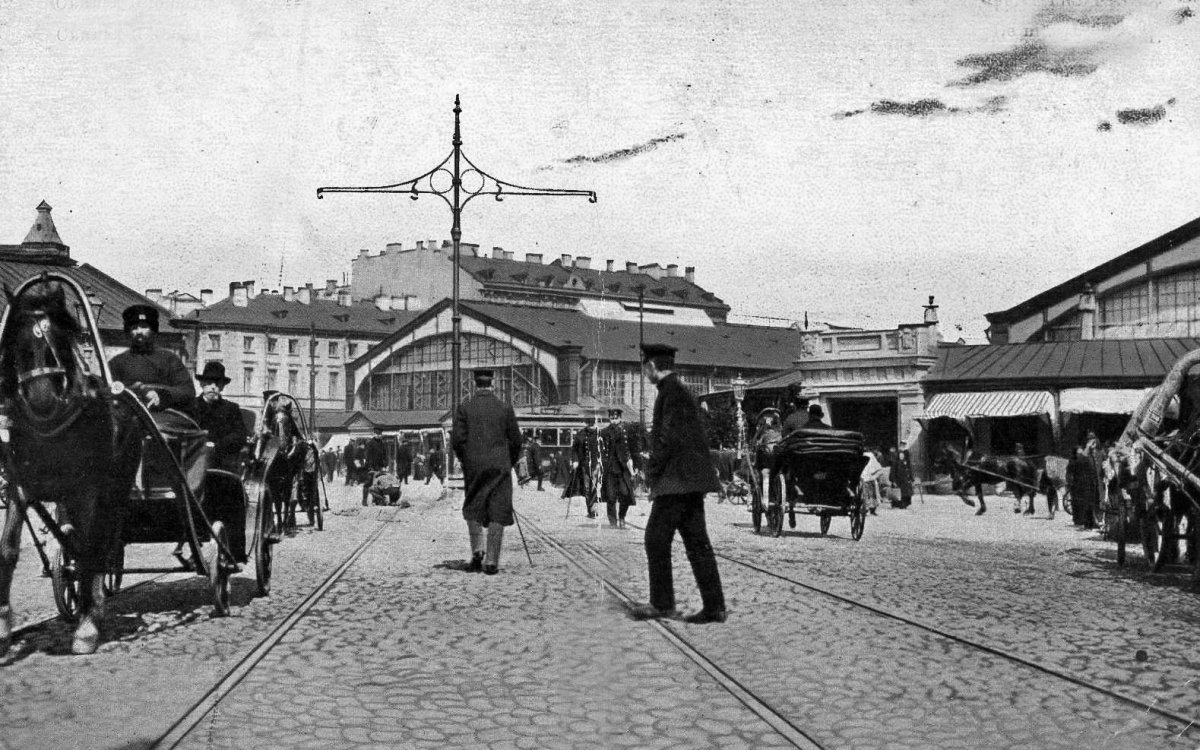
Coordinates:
<point>1020,473</point>
<point>70,444</point>
<point>279,428</point>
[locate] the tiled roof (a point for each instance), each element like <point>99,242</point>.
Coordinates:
<point>614,284</point>
<point>272,312</point>
<point>16,267</point>
<point>753,347</point>
<point>1126,362</point>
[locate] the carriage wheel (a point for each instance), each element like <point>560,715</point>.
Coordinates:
<point>66,586</point>
<point>264,551</point>
<point>218,568</point>
<point>115,571</point>
<point>756,513</point>
<point>320,522</point>
<point>858,521</point>
<point>1066,501</point>
<point>825,521</point>
<point>775,520</point>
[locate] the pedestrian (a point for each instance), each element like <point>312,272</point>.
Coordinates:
<point>435,465</point>
<point>901,477</point>
<point>617,485</point>
<point>486,439</point>
<point>350,461</point>
<point>220,418</point>
<point>679,472</point>
<point>383,489</point>
<point>584,468</point>
<point>1083,479</point>
<point>531,451</point>
<point>375,454</point>
<point>329,462</point>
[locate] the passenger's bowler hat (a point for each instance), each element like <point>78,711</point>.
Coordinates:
<point>214,372</point>
<point>483,376</point>
<point>650,351</point>
<point>140,314</point>
<point>816,411</point>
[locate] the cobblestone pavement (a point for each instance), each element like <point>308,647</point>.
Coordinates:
<point>407,651</point>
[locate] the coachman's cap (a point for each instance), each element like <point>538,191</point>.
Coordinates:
<point>483,376</point>
<point>816,411</point>
<point>614,413</point>
<point>214,372</point>
<point>139,315</point>
<point>270,394</point>
<point>649,351</point>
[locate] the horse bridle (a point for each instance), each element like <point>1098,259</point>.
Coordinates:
<point>40,326</point>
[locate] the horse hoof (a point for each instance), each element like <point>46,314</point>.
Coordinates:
<point>5,629</point>
<point>87,639</point>
<point>981,511</point>
<point>967,501</point>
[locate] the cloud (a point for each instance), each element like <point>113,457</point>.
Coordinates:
<point>625,153</point>
<point>1033,56</point>
<point>926,108</point>
<point>1145,116</point>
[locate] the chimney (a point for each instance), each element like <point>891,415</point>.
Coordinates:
<point>398,302</point>
<point>154,295</point>
<point>630,267</point>
<point>533,258</point>
<point>363,253</point>
<point>343,298</point>
<point>497,252</point>
<point>304,295</point>
<point>206,297</point>
<point>289,294</point>
<point>583,262</point>
<point>689,273</point>
<point>420,244</point>
<point>608,266</point>
<point>412,302</point>
<point>383,302</point>
<point>566,260</point>
<point>931,309</point>
<point>652,270</point>
<point>238,293</point>
<point>673,270</point>
<point>470,248</point>
<point>249,286</point>
<point>330,287</point>
<point>432,244</point>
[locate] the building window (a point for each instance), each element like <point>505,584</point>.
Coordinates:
<point>214,342</point>
<point>271,344</point>
<point>247,343</point>
<point>293,347</point>
<point>293,381</point>
<point>334,386</point>
<point>352,350</point>
<point>272,378</point>
<point>248,379</point>
<point>333,348</point>
<point>1130,307</point>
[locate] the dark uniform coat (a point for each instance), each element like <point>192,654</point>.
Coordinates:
<point>222,420</point>
<point>155,370</point>
<point>486,439</point>
<point>614,455</point>
<point>679,461</point>
<point>375,454</point>
<point>583,478</point>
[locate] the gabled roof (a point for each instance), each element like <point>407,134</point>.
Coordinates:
<point>271,312</point>
<point>1072,287</point>
<point>617,284</point>
<point>1111,363</point>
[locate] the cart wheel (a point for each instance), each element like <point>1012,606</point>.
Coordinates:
<point>858,521</point>
<point>775,520</point>
<point>756,513</point>
<point>66,586</point>
<point>320,515</point>
<point>218,569</point>
<point>115,572</point>
<point>1066,502</point>
<point>825,519</point>
<point>264,552</point>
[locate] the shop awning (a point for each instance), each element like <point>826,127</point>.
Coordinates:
<point>988,404</point>
<point>1101,400</point>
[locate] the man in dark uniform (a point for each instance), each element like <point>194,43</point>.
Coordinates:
<point>435,465</point>
<point>617,485</point>
<point>679,472</point>
<point>585,455</point>
<point>487,440</point>
<point>533,461</point>
<point>157,376</point>
<point>376,453</point>
<point>404,461</point>
<point>220,418</point>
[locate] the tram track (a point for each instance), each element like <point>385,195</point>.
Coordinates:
<point>234,676</point>
<point>1002,653</point>
<point>756,703</point>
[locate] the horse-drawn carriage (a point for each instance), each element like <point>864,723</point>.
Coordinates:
<point>285,465</point>
<point>115,473</point>
<point>818,472</point>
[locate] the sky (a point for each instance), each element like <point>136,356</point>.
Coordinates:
<point>840,159</point>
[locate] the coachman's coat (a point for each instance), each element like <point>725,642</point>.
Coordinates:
<point>487,441</point>
<point>679,460</point>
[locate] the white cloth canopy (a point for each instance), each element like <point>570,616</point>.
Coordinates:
<point>1101,400</point>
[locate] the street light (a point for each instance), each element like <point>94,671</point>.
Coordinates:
<point>739,392</point>
<point>481,183</point>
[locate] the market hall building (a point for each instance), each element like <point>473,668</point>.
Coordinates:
<point>562,337</point>
<point>1075,358</point>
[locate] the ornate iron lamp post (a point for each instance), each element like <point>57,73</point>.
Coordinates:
<point>457,195</point>
<point>739,392</point>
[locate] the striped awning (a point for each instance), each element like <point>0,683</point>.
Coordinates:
<point>988,404</point>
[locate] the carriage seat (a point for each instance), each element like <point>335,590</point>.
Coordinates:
<point>190,447</point>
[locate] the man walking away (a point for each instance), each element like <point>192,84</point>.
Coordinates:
<point>679,472</point>
<point>486,439</point>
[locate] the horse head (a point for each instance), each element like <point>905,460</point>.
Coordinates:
<point>40,367</point>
